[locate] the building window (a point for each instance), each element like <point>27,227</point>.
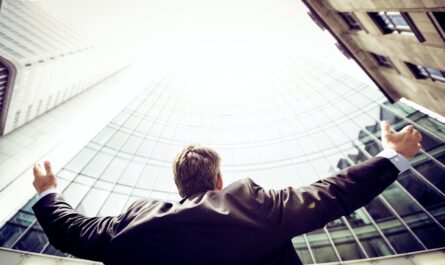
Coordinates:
<point>396,22</point>
<point>382,60</point>
<point>28,113</point>
<point>350,20</point>
<point>440,17</point>
<point>16,119</point>
<point>4,75</point>
<point>422,72</point>
<point>438,20</point>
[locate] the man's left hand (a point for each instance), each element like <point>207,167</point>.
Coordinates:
<point>43,182</point>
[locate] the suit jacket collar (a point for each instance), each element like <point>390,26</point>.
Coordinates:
<point>192,195</point>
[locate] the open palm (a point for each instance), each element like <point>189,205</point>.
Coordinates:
<point>405,142</point>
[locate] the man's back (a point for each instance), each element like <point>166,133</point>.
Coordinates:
<point>242,224</point>
<point>205,228</point>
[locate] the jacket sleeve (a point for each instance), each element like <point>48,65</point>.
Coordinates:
<point>295,211</point>
<point>71,232</point>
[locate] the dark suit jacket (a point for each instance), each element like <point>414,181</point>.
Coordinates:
<point>242,224</point>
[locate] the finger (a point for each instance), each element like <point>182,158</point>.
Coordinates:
<point>417,134</point>
<point>37,170</point>
<point>407,129</point>
<point>386,130</point>
<point>48,168</point>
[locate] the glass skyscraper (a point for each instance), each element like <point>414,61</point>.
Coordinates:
<point>45,62</point>
<point>296,125</point>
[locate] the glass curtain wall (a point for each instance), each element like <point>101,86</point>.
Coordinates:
<point>303,122</point>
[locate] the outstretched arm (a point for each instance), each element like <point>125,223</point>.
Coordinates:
<point>292,211</point>
<point>69,231</point>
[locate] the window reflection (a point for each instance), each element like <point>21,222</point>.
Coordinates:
<point>113,205</point>
<point>33,240</point>
<point>132,145</point>
<point>50,250</point>
<point>434,126</point>
<point>115,169</point>
<point>428,231</point>
<point>321,246</point>
<point>15,227</point>
<point>345,243</point>
<point>118,139</point>
<point>131,173</point>
<point>102,137</point>
<point>401,240</point>
<point>368,234</point>
<point>92,202</point>
<point>80,160</point>
<point>302,250</point>
<point>424,194</point>
<point>439,154</point>
<point>74,193</point>
<point>432,171</point>
<point>97,165</point>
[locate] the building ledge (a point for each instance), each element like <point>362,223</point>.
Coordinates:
<point>427,257</point>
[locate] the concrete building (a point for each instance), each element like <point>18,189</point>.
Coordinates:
<point>299,124</point>
<point>400,44</point>
<point>44,62</point>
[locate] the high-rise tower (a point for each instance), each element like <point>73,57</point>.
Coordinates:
<point>44,62</point>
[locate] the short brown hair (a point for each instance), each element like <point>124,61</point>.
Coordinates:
<point>196,169</point>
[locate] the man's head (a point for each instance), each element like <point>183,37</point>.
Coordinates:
<point>197,168</point>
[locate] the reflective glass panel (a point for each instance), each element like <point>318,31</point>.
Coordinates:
<point>321,246</point>
<point>368,234</point>
<point>400,238</point>
<point>345,243</point>
<point>302,250</point>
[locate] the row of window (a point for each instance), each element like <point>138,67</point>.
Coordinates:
<point>4,75</point>
<point>419,71</point>
<point>401,23</point>
<point>61,96</point>
<point>20,29</point>
<point>395,22</point>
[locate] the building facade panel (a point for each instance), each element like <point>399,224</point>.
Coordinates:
<point>349,5</point>
<point>404,31</point>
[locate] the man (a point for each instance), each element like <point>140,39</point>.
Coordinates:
<point>241,224</point>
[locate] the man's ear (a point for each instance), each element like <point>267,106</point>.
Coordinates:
<point>219,182</point>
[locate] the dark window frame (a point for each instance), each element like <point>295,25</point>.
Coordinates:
<point>387,25</point>
<point>350,20</point>
<point>422,72</point>
<point>438,22</point>
<point>382,61</point>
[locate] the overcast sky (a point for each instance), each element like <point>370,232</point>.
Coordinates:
<point>231,27</point>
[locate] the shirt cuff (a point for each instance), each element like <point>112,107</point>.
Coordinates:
<point>46,192</point>
<point>398,160</point>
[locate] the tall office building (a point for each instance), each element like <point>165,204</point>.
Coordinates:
<point>44,62</point>
<point>289,127</point>
<point>400,44</point>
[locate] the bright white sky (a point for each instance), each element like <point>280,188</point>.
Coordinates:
<point>200,29</point>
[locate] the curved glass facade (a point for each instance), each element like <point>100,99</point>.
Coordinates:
<point>301,123</point>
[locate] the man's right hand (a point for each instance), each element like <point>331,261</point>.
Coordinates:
<point>43,182</point>
<point>406,142</point>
